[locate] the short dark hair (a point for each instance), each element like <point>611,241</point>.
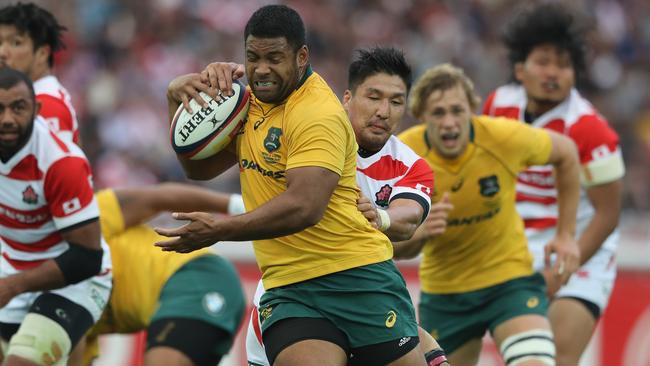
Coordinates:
<point>11,77</point>
<point>551,23</point>
<point>41,26</point>
<point>273,21</point>
<point>369,62</point>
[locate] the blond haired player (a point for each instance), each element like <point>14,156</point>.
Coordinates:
<point>547,51</point>
<point>478,274</point>
<point>332,288</point>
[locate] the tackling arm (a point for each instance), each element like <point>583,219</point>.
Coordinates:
<point>288,213</point>
<point>139,204</point>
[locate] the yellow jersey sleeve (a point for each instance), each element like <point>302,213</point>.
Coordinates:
<point>317,140</point>
<point>110,217</point>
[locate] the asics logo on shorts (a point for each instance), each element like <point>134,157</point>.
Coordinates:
<point>532,302</point>
<point>391,319</point>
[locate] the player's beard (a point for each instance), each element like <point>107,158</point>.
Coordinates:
<point>23,137</point>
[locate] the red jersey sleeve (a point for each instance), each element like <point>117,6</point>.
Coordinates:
<point>487,107</point>
<point>594,138</point>
<point>59,117</point>
<point>69,192</point>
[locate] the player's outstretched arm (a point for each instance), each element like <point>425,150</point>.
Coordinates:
<point>180,91</point>
<point>564,158</point>
<point>302,205</point>
<point>139,204</point>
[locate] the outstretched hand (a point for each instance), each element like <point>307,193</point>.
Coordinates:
<point>198,233</point>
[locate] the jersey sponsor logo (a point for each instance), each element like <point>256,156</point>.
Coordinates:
<point>474,219</point>
<point>249,164</point>
<point>23,218</point>
<point>272,140</point>
<point>458,184</point>
<point>532,302</point>
<point>391,319</point>
<point>489,186</point>
<point>383,195</point>
<point>30,196</point>
<point>213,302</point>
<point>71,206</point>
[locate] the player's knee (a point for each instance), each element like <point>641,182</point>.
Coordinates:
<point>533,345</point>
<point>40,340</point>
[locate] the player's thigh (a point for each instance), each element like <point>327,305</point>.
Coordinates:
<point>455,319</point>
<point>311,352</point>
<point>573,324</point>
<point>212,305</point>
<point>370,305</point>
<point>467,354</point>
<point>288,340</point>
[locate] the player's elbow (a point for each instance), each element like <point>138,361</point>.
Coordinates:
<point>311,216</point>
<point>403,233</point>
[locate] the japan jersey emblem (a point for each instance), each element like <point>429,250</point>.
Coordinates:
<point>383,195</point>
<point>30,196</point>
<point>71,206</point>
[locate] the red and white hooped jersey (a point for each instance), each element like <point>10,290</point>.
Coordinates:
<point>56,108</point>
<point>598,148</point>
<point>46,188</point>
<point>393,172</point>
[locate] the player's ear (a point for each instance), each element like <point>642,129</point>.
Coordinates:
<point>519,71</point>
<point>347,95</point>
<point>37,107</point>
<point>302,56</point>
<point>42,54</point>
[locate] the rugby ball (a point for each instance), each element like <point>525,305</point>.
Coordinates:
<point>208,130</point>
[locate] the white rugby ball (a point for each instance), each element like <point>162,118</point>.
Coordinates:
<point>208,130</point>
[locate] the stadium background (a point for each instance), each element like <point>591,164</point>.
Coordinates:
<point>121,55</point>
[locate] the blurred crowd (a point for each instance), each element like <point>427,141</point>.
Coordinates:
<point>121,55</point>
